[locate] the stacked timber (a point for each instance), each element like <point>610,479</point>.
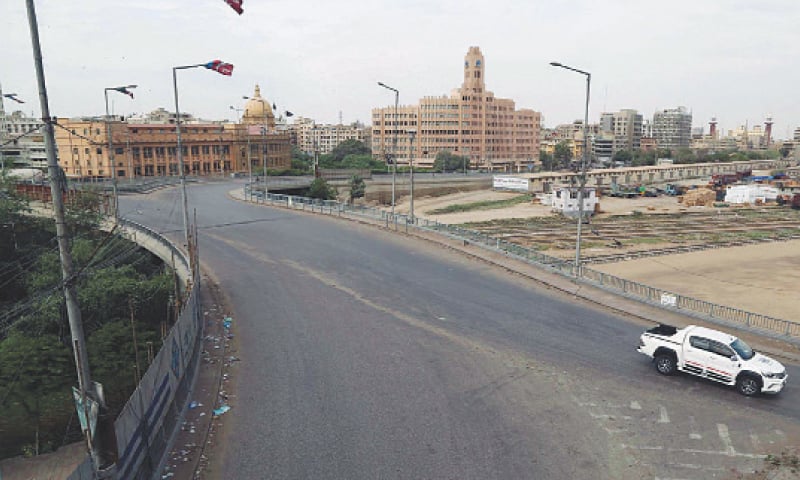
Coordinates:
<point>699,197</point>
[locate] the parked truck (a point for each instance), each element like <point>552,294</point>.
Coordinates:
<point>714,355</point>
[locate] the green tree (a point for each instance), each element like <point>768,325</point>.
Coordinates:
<point>113,359</point>
<point>348,147</point>
<point>301,161</point>
<point>36,373</point>
<point>548,161</point>
<point>361,161</point>
<point>563,154</point>
<point>320,189</point>
<point>623,156</point>
<point>685,155</point>
<point>448,161</point>
<point>357,188</point>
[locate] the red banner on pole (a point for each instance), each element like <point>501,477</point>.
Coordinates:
<point>220,67</point>
<point>236,5</point>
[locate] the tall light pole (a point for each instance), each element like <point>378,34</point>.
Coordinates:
<point>264,107</point>
<point>126,90</point>
<point>249,163</point>
<point>585,163</point>
<point>217,66</point>
<point>411,135</point>
<point>394,140</point>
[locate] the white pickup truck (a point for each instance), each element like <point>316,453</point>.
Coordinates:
<point>714,355</point>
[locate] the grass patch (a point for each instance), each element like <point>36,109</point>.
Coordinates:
<point>482,205</point>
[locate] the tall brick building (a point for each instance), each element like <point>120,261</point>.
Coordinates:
<point>471,122</point>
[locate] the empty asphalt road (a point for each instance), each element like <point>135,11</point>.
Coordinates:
<point>367,354</point>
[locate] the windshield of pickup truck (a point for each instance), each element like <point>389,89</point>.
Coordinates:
<point>743,349</point>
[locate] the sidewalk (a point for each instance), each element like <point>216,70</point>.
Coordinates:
<point>634,310</point>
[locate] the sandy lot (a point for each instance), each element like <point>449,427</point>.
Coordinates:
<point>608,206</point>
<point>761,278</point>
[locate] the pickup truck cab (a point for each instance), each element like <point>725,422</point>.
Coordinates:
<point>714,355</point>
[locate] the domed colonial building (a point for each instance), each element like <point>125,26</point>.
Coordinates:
<point>257,131</point>
<point>258,111</point>
<point>146,146</point>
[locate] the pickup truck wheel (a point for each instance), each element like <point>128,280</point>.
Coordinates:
<point>665,364</point>
<point>748,385</point>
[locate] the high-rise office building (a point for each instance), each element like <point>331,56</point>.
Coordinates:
<point>471,121</point>
<point>672,128</point>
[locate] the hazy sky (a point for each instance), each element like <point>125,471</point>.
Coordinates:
<point>733,59</point>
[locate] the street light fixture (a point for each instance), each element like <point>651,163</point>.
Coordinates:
<point>219,67</point>
<point>394,140</point>
<point>584,163</point>
<point>126,89</point>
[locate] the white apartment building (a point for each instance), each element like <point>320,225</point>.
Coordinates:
<point>311,137</point>
<point>21,139</point>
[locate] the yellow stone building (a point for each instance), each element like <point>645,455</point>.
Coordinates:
<point>471,121</point>
<point>147,147</point>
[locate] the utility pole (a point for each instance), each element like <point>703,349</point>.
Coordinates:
<point>86,389</point>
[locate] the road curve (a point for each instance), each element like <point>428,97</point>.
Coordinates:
<point>371,355</point>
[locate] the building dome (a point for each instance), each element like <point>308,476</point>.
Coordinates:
<point>258,110</point>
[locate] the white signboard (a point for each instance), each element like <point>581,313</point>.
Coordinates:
<point>669,300</point>
<point>503,182</point>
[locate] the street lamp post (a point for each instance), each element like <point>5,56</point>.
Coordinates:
<point>249,162</point>
<point>263,139</point>
<point>124,89</point>
<point>394,140</point>
<point>411,134</point>
<point>219,67</point>
<point>585,163</point>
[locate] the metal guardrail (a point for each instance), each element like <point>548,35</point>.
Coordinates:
<point>712,312</point>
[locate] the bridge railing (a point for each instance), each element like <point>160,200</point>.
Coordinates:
<point>701,309</point>
<point>149,420</point>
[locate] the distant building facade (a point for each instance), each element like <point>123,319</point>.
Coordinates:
<point>147,146</point>
<point>471,121</point>
<point>311,137</point>
<point>21,138</point>
<point>672,128</point>
<point>617,131</point>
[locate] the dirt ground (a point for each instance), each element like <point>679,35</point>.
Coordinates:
<point>608,206</point>
<point>760,278</point>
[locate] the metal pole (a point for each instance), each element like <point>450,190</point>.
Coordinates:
<point>582,180</point>
<point>2,132</point>
<point>394,149</point>
<point>111,159</point>
<point>62,235</point>
<point>264,141</point>
<point>411,172</point>
<point>249,165</point>
<point>584,163</point>
<point>180,157</point>
<point>394,142</point>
